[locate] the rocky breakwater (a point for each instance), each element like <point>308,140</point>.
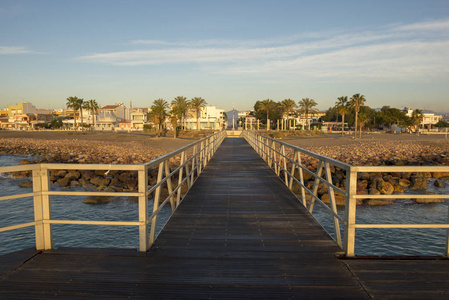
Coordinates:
<point>97,180</point>
<point>89,152</point>
<point>385,153</point>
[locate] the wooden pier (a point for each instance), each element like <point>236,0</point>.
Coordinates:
<point>240,233</point>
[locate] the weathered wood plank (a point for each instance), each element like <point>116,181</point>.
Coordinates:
<point>239,233</point>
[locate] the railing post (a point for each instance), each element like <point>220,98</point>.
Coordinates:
<point>192,176</point>
<point>269,153</point>
<point>446,252</point>
<point>284,161</point>
<point>350,212</point>
<point>210,146</point>
<point>315,185</point>
<point>157,195</point>
<point>178,196</point>
<point>333,205</point>
<point>144,240</point>
<point>169,186</point>
<point>200,158</point>
<point>42,209</point>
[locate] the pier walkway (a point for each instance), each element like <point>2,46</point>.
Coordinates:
<point>240,233</point>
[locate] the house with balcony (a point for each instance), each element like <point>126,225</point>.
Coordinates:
<point>211,118</point>
<point>429,118</point>
<point>110,116</point>
<point>139,117</point>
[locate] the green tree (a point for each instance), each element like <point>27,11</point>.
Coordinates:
<point>92,106</point>
<point>181,105</point>
<point>363,119</point>
<point>442,124</point>
<point>356,102</point>
<point>175,117</point>
<point>307,107</point>
<point>74,103</point>
<point>80,107</point>
<point>331,115</point>
<point>267,106</point>
<point>197,105</point>
<point>388,116</point>
<point>288,106</point>
<point>342,108</point>
<point>416,118</point>
<point>56,124</point>
<point>159,111</point>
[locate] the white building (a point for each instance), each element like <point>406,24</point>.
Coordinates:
<point>429,118</point>
<point>210,118</point>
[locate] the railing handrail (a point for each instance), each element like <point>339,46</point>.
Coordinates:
<point>201,152</point>
<point>267,149</point>
<point>335,162</point>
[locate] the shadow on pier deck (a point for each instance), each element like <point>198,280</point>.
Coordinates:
<point>239,233</point>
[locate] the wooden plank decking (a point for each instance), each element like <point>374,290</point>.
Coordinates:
<point>239,233</point>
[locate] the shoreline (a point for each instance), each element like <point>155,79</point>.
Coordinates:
<point>113,148</point>
<point>89,147</point>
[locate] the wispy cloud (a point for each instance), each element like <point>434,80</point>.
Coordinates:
<point>5,50</point>
<point>438,25</point>
<point>396,51</point>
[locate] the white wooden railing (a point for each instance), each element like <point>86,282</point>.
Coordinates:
<point>192,159</point>
<point>285,159</point>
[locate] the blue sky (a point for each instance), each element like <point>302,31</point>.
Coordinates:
<point>394,52</point>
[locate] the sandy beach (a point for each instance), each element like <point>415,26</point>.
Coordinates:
<point>94,147</point>
<point>379,147</point>
<point>137,148</point>
<point>111,147</point>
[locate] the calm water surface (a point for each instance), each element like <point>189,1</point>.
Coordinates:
<point>368,241</point>
<point>68,208</point>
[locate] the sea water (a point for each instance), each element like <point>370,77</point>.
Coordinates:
<point>368,241</point>
<point>380,241</point>
<point>19,211</point>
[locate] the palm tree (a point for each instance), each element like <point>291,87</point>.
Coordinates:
<point>267,105</point>
<point>342,108</point>
<point>197,104</point>
<point>288,105</point>
<point>159,110</point>
<point>93,107</point>
<point>182,107</point>
<point>306,107</point>
<point>363,119</point>
<point>356,102</point>
<point>73,103</point>
<point>416,118</point>
<point>175,116</point>
<point>80,107</point>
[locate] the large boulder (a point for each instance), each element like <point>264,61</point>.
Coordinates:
<point>398,189</point>
<point>382,186</point>
<point>443,175</point>
<point>26,184</point>
<point>439,184</point>
<point>405,182</point>
<point>73,175</point>
<point>339,199</point>
<point>60,173</point>
<point>419,183</point>
<point>97,200</point>
<point>429,200</point>
<point>322,188</point>
<point>64,182</point>
<point>100,181</point>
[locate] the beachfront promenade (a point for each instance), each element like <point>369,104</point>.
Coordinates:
<point>239,233</point>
